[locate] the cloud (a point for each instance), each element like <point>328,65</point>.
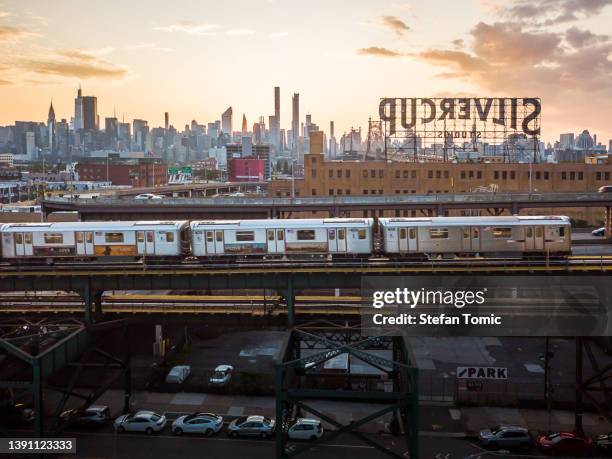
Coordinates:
<point>552,12</point>
<point>12,33</point>
<point>278,34</point>
<point>73,63</point>
<point>580,38</point>
<point>238,32</point>
<point>4,14</point>
<point>5,82</point>
<point>188,27</point>
<point>376,51</point>
<point>460,61</point>
<point>395,24</point>
<point>458,43</point>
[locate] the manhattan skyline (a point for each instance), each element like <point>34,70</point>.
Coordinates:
<point>194,61</point>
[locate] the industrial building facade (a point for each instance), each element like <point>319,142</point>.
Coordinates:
<point>363,178</point>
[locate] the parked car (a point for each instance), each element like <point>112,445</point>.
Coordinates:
<point>604,442</point>
<point>145,196</point>
<point>200,423</point>
<point>221,375</point>
<point>178,374</point>
<point>143,421</point>
<point>505,436</point>
<point>567,443</point>
<point>599,231</point>
<point>252,426</point>
<point>306,429</point>
<point>15,415</point>
<point>605,189</point>
<point>95,415</point>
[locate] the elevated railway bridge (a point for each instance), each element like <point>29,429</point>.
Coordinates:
<point>337,206</point>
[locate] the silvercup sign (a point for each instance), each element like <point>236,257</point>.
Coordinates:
<point>517,114</point>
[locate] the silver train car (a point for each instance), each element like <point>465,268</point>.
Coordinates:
<point>282,237</point>
<point>90,240</point>
<point>476,236</point>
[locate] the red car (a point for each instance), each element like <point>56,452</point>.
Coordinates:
<point>567,443</point>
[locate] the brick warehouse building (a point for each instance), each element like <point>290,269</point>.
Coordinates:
<point>134,173</point>
<point>364,178</point>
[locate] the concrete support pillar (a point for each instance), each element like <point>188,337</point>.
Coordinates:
<point>37,396</point>
<point>290,298</point>
<point>608,222</point>
<point>578,409</point>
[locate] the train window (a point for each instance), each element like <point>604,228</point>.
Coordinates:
<point>502,232</point>
<point>150,237</point>
<point>438,233</point>
<point>27,238</point>
<point>245,236</point>
<point>466,233</point>
<point>169,236</point>
<point>361,233</point>
<point>209,236</point>
<point>18,238</point>
<point>412,233</point>
<point>280,235</point>
<point>54,238</point>
<point>89,237</point>
<point>402,233</point>
<point>113,237</point>
<point>529,232</point>
<point>475,233</point>
<point>79,237</point>
<point>219,236</point>
<point>341,234</point>
<point>139,236</point>
<point>332,234</point>
<point>270,235</point>
<point>562,232</point>
<point>539,231</point>
<point>306,235</point>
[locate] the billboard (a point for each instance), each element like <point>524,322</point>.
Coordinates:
<point>449,128</point>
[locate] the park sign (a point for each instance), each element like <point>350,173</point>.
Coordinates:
<point>482,373</point>
<point>447,116</point>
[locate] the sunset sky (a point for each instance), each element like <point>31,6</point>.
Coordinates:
<point>193,58</point>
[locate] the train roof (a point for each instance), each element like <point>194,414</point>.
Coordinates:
<point>476,221</point>
<point>94,226</point>
<point>285,223</point>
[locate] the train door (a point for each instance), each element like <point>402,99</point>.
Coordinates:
<point>271,237</point>
<point>341,234</point>
<point>140,242</point>
<point>413,241</point>
<point>332,240</point>
<point>210,242</point>
<point>19,247</point>
<point>27,244</point>
<point>529,238</point>
<point>80,242</point>
<point>539,237</point>
<point>219,241</point>
<point>403,240</point>
<point>475,242</point>
<point>280,240</point>
<point>466,240</point>
<point>89,244</point>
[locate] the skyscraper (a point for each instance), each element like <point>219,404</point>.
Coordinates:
<point>166,120</point>
<point>245,127</point>
<point>226,121</point>
<point>141,132</point>
<point>274,121</point>
<point>90,113</point>
<point>51,129</point>
<point>277,102</point>
<point>78,110</point>
<point>295,122</point>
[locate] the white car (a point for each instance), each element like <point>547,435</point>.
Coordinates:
<point>200,423</point>
<point>306,429</point>
<point>221,375</point>
<point>178,374</point>
<point>145,196</point>
<point>143,421</point>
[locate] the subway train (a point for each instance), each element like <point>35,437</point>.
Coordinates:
<point>397,238</point>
